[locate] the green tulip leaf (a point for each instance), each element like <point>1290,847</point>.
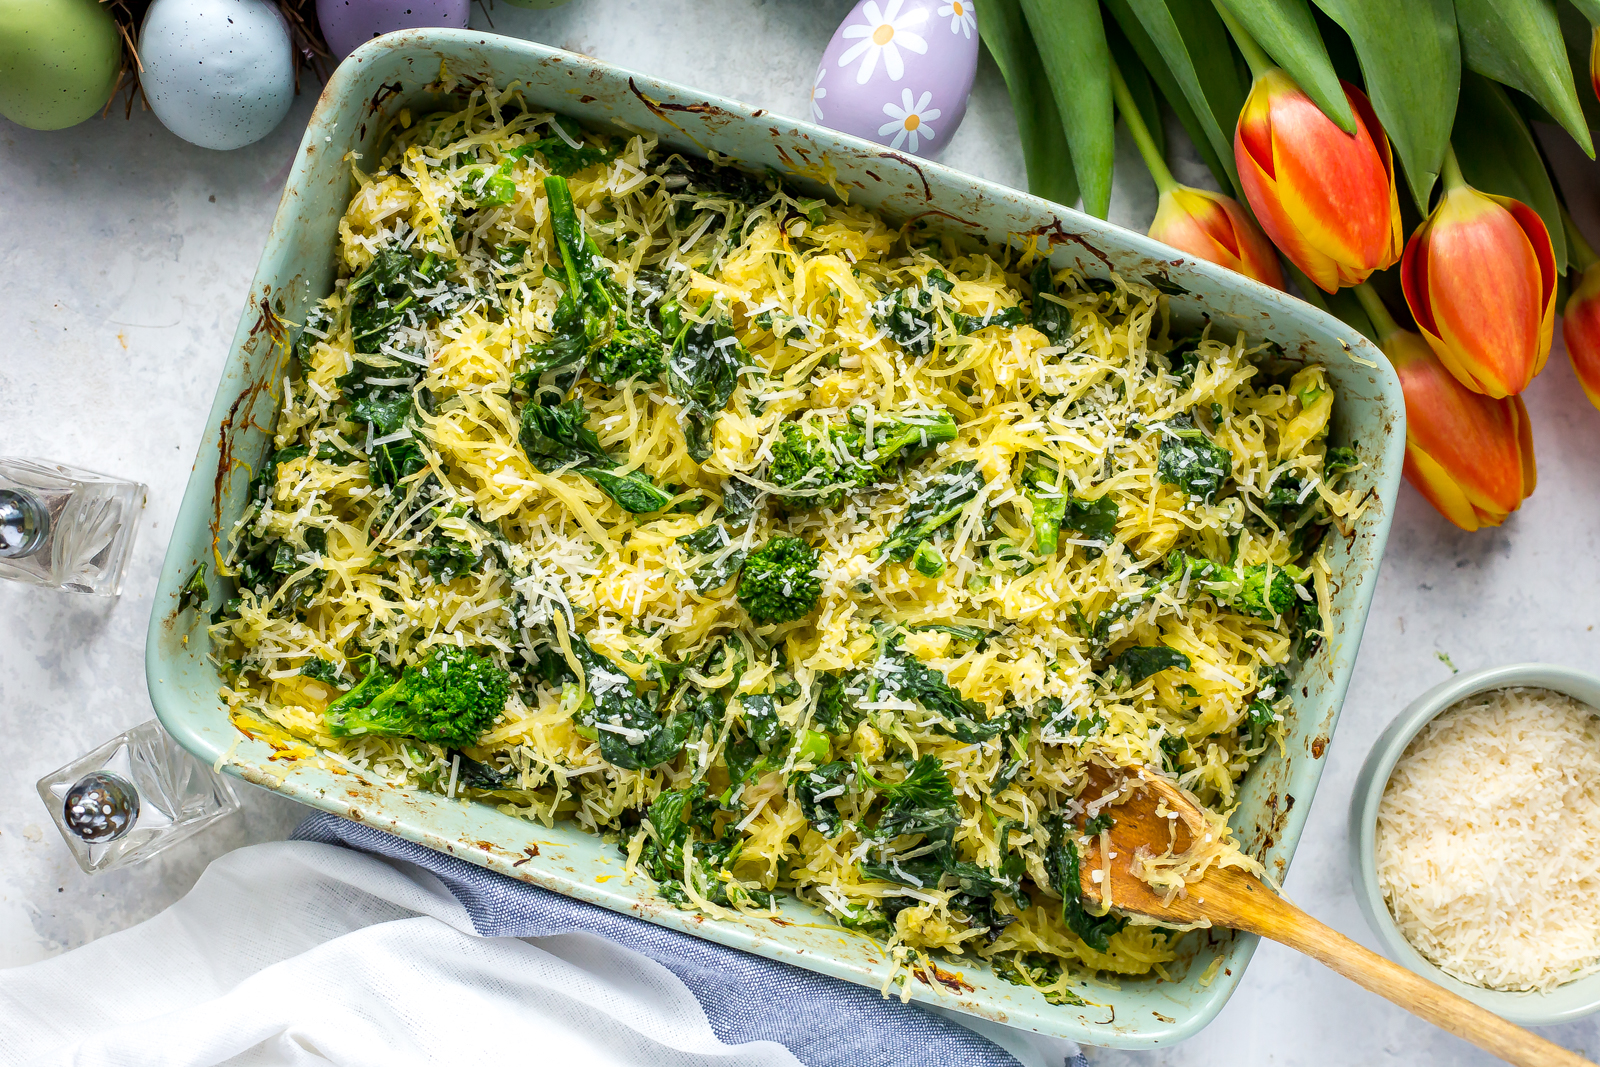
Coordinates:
<point>1044,142</point>
<point>1139,87</point>
<point>1578,32</point>
<point>1072,46</point>
<point>1411,62</point>
<point>1287,31</point>
<point>1518,43</point>
<point>1190,56</point>
<point>1590,10</point>
<point>1498,155</point>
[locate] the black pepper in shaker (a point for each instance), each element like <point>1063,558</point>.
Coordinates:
<point>101,807</point>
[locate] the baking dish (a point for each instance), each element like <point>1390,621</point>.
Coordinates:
<point>402,71</point>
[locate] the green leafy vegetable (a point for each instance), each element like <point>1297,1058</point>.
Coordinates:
<point>619,346</point>
<point>1141,661</point>
<point>559,154</point>
<point>1191,461</point>
<point>320,669</point>
<point>634,492</point>
<point>1047,316</point>
<point>715,573</point>
<point>909,314</point>
<point>630,732</point>
<point>194,590</point>
<point>1061,860</point>
<point>702,370</point>
<point>931,507</point>
<point>830,778</point>
<point>556,436</point>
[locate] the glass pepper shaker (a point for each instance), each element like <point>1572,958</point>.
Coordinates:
<point>133,797</point>
<point>65,527</point>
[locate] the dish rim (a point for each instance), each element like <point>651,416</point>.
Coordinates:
<point>1566,1003</point>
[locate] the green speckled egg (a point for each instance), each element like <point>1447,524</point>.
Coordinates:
<point>58,61</point>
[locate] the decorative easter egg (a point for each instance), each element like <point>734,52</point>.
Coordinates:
<point>899,72</point>
<point>58,61</point>
<point>349,24</point>
<point>218,73</point>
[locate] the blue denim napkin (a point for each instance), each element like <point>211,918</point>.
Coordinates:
<point>824,1021</point>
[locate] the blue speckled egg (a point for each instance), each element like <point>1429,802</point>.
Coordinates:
<point>218,73</point>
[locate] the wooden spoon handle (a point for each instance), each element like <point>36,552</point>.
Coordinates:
<point>1286,924</point>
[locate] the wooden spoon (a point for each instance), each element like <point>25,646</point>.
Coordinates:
<point>1138,802</point>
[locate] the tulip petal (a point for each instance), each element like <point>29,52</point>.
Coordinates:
<point>1439,489</point>
<point>1215,228</point>
<point>1580,326</point>
<point>1327,199</point>
<point>1479,276</point>
<point>1481,447</point>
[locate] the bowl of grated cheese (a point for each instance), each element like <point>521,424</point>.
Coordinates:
<point>1475,840</point>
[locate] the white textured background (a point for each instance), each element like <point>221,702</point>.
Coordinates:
<point>125,256</point>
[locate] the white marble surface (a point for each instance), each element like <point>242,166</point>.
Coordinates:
<point>128,254</point>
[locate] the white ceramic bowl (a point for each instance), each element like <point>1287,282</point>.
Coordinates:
<point>1562,1004</point>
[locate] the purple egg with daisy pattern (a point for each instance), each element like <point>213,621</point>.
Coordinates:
<point>899,72</point>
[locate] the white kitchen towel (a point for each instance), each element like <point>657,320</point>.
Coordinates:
<point>302,952</point>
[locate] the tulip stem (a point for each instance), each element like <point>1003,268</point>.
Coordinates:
<point>1377,311</point>
<point>1450,174</point>
<point>1259,61</point>
<point>1134,119</point>
<point>1579,251</point>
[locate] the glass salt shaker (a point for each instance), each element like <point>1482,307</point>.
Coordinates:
<point>135,796</point>
<point>65,527</point>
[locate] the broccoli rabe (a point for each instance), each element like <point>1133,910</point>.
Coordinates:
<point>938,503</point>
<point>822,462</point>
<point>1263,590</point>
<point>805,460</point>
<point>1055,508</point>
<point>590,320</point>
<point>450,698</point>
<point>777,584</point>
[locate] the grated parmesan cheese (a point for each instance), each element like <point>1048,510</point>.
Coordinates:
<point>1488,840</point>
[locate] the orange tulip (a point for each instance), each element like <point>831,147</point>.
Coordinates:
<point>1594,60</point>
<point>1215,228</point>
<point>1470,455</point>
<point>1580,322</point>
<point>1480,278</point>
<point>1326,198</point>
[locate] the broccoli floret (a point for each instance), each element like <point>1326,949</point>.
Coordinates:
<point>804,459</point>
<point>450,699</point>
<point>777,584</point>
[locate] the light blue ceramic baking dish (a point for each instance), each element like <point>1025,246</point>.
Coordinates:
<point>297,268</point>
